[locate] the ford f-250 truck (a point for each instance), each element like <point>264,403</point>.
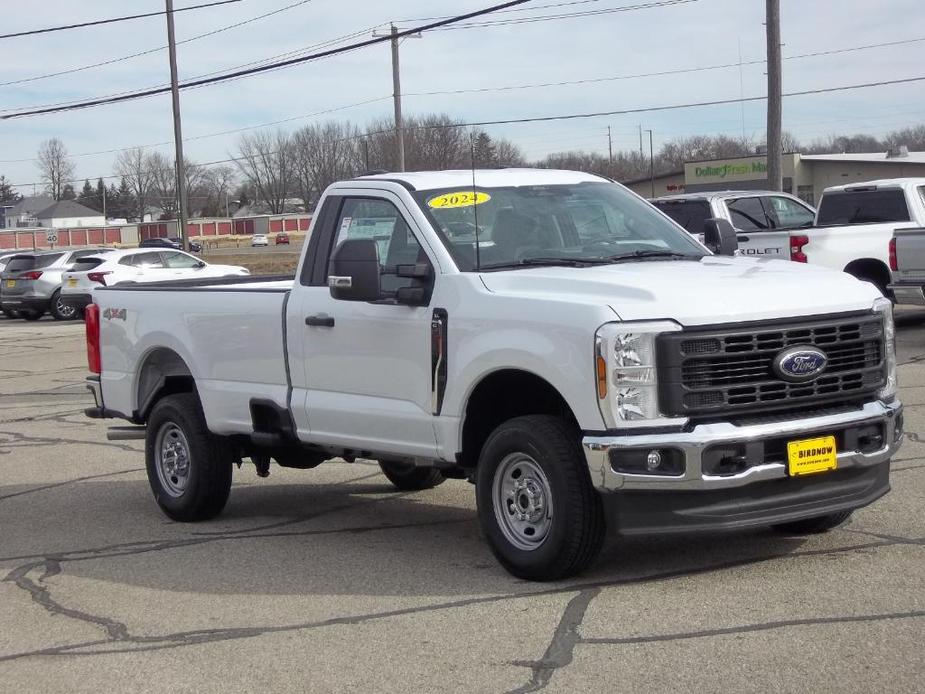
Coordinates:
<point>547,335</point>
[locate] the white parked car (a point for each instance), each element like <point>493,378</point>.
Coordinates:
<point>135,265</point>
<point>259,240</point>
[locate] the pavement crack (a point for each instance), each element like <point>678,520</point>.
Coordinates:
<point>747,628</point>
<point>562,646</point>
<point>33,490</point>
<point>22,578</point>
<point>179,639</point>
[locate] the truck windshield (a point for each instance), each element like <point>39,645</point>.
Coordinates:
<point>690,214</point>
<point>574,224</point>
<point>863,207</point>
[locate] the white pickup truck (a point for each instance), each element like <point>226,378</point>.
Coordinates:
<point>763,220</point>
<point>855,225</point>
<point>547,335</point>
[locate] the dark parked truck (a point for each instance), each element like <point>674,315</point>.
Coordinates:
<point>548,336</point>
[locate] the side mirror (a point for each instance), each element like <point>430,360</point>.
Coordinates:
<point>353,273</point>
<point>720,237</point>
<point>200,265</point>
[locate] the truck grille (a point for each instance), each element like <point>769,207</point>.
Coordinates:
<point>719,371</point>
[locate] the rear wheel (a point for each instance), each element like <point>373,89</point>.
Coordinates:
<point>410,478</point>
<point>542,517</point>
<point>814,526</point>
<point>60,310</point>
<point>189,468</point>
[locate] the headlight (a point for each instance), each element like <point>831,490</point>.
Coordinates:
<point>626,374</point>
<point>885,308</point>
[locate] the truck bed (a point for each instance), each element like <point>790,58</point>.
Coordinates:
<point>228,332</point>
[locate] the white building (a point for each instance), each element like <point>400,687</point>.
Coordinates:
<point>24,213</point>
<point>67,213</point>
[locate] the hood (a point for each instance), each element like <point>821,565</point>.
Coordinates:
<point>710,291</point>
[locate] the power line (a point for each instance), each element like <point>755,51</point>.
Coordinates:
<point>263,68</point>
<point>650,109</point>
<point>155,50</point>
<point>113,20</point>
<point>574,116</point>
<point>662,73</point>
<point>568,15</point>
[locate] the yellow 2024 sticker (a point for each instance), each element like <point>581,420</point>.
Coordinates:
<point>463,198</point>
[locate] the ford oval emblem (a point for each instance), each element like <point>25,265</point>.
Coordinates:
<point>799,364</point>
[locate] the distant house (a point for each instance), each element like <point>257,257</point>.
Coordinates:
<point>25,212</point>
<point>67,213</point>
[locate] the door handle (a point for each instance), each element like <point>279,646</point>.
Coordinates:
<point>743,238</point>
<point>320,321</point>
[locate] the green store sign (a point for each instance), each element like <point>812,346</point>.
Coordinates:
<point>727,170</point>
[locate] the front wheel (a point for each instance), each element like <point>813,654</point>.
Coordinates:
<point>189,468</point>
<point>814,526</point>
<point>542,518</point>
<point>410,478</point>
<point>59,310</point>
<point>31,315</point>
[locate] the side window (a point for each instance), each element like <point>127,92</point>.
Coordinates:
<point>147,261</point>
<point>747,214</point>
<point>179,261</point>
<point>922,193</point>
<point>787,214</point>
<point>127,260</point>
<point>369,218</point>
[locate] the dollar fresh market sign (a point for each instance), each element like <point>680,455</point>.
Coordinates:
<point>736,170</point>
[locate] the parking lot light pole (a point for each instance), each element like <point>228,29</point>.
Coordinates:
<point>651,163</point>
<point>177,130</point>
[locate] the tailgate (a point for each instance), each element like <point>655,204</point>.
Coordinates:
<point>910,255</point>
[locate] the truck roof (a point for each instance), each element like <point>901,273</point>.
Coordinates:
<point>879,183</point>
<point>488,178</point>
<point>717,195</point>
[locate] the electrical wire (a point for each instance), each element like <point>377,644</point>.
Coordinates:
<point>574,116</point>
<point>263,68</point>
<point>155,50</point>
<point>113,20</point>
<point>662,73</point>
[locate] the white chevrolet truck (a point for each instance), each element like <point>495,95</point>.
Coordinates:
<point>548,336</point>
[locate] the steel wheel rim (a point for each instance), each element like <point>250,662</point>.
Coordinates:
<point>64,310</point>
<point>522,501</point>
<point>172,459</point>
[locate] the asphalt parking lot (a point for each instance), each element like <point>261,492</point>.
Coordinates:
<point>328,580</point>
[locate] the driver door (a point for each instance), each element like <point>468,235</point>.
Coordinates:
<point>361,370</point>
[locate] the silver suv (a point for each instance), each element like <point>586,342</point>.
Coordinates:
<point>32,283</point>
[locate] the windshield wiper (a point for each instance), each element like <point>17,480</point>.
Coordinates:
<point>642,255</point>
<point>546,262</point>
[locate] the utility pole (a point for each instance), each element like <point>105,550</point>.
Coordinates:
<point>609,152</point>
<point>177,130</point>
<point>104,201</point>
<point>396,91</point>
<point>641,155</point>
<point>651,163</point>
<point>775,88</point>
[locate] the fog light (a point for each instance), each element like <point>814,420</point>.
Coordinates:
<point>641,461</point>
<point>653,460</point>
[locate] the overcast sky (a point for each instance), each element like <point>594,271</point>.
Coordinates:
<point>698,33</point>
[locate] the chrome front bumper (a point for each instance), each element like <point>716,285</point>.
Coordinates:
<point>692,444</point>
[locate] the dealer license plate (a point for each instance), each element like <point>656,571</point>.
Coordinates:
<point>810,456</point>
<point>11,283</point>
<point>72,283</point>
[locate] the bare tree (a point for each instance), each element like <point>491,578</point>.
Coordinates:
<point>54,166</point>
<point>323,154</point>
<point>164,173</point>
<point>133,166</point>
<point>266,161</point>
<point>214,191</point>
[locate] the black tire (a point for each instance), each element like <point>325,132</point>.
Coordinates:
<point>208,480</point>
<point>31,315</point>
<point>58,311</point>
<point>409,478</point>
<point>814,526</point>
<point>9,313</point>
<point>576,530</point>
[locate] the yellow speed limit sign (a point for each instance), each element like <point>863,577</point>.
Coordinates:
<point>462,198</point>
